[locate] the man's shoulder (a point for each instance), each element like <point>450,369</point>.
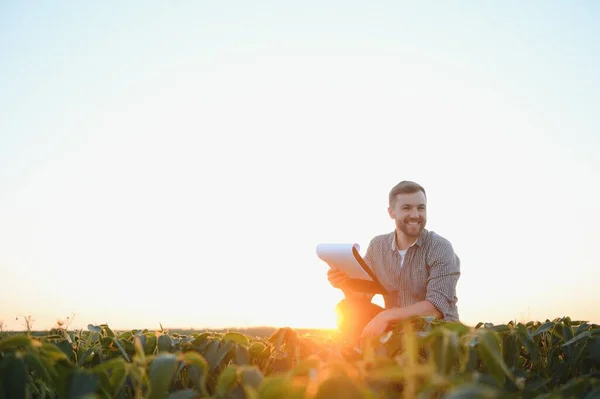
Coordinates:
<point>383,238</point>
<point>436,240</point>
<point>381,241</point>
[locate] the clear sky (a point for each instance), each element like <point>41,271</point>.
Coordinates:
<point>177,162</point>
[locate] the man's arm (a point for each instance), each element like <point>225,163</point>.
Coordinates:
<point>444,272</point>
<point>379,324</point>
<point>339,279</point>
<point>347,287</point>
<point>349,293</point>
<point>441,291</point>
<point>423,308</point>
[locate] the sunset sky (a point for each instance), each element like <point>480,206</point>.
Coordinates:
<point>177,162</point>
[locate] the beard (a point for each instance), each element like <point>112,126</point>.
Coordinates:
<point>410,229</point>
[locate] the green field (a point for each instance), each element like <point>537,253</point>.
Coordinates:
<point>421,358</point>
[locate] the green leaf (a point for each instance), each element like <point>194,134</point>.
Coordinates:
<point>279,386</point>
<point>117,378</point>
<point>594,350</point>
<point>150,343</point>
<point>113,374</point>
<point>198,370</point>
<point>215,360</point>
<point>112,364</point>
<point>94,328</point>
<point>575,360</point>
<point>184,394</point>
<point>238,338</point>
<point>575,388</point>
<point>242,356</point>
<point>211,351</point>
<point>543,328</point>
<point>35,364</point>
<point>250,376</point>
<point>583,335</point>
<point>60,382</point>
<point>164,343</point>
<point>510,349</point>
<point>67,348</point>
<point>107,330</point>
<point>256,349</point>
<point>123,352</point>
<point>139,348</point>
<point>128,345</point>
<point>15,342</point>
<point>469,360</point>
<point>561,330</point>
<point>339,386</point>
<point>106,343</point>
<point>594,394</point>
<point>200,338</point>
<point>83,356</point>
<point>388,373</point>
<point>527,342</point>
<point>226,381</point>
<point>444,345</point>
<point>93,337</point>
<point>82,383</point>
<point>582,327</point>
<point>162,371</point>
<point>473,391</point>
<point>277,336</point>
<point>457,327</point>
<point>104,389</point>
<point>537,384</point>
<point>488,348</point>
<point>565,334</point>
<point>52,352</point>
<point>14,377</point>
<point>499,328</point>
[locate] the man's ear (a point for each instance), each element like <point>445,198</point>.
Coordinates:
<point>391,212</point>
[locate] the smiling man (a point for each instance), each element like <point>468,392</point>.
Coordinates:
<point>418,269</point>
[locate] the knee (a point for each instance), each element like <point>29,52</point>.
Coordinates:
<point>355,312</point>
<point>343,306</point>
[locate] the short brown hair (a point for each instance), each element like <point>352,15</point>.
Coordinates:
<point>405,187</point>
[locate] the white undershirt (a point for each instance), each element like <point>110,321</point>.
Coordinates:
<point>402,255</point>
<point>402,252</point>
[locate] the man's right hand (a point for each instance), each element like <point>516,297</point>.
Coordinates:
<point>337,278</point>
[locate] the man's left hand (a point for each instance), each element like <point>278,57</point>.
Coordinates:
<point>377,325</point>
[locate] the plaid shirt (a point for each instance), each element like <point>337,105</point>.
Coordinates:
<point>430,272</point>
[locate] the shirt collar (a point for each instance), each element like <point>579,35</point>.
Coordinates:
<point>419,241</point>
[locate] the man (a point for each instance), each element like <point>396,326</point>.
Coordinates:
<point>418,269</point>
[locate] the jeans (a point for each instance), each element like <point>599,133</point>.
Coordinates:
<point>353,316</point>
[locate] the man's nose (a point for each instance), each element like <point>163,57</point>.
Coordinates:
<point>414,213</point>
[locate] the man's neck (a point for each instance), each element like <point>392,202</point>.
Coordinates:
<point>403,242</point>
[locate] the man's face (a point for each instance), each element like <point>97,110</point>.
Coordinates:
<point>410,213</point>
